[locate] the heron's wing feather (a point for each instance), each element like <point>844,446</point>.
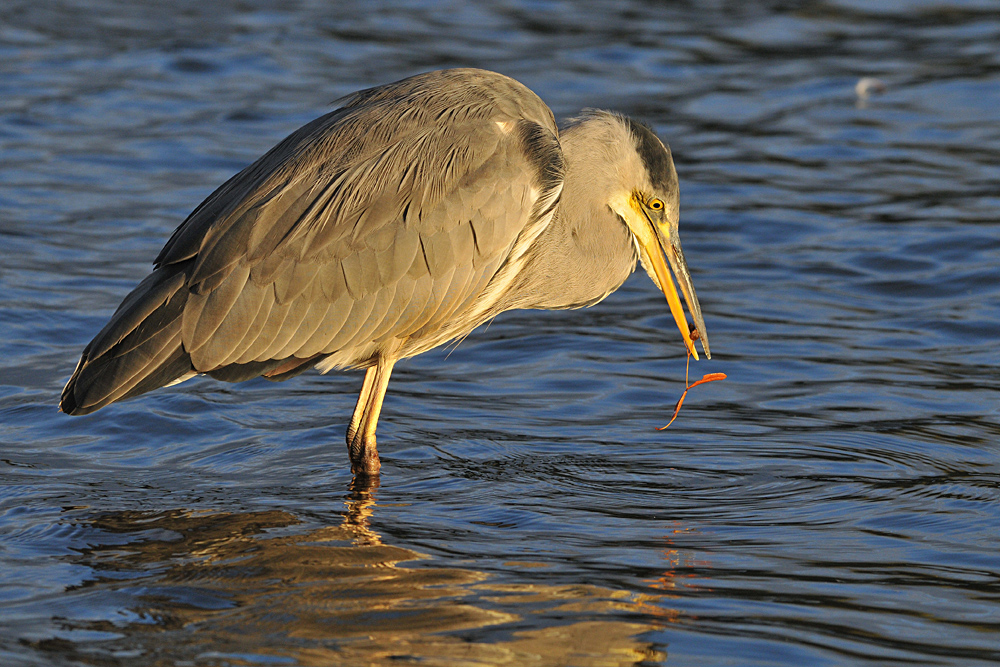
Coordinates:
<point>378,221</point>
<point>422,280</point>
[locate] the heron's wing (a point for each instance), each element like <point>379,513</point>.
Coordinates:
<point>381,222</point>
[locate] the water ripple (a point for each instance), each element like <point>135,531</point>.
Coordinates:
<point>834,501</point>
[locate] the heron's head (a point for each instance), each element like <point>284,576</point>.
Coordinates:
<point>646,197</point>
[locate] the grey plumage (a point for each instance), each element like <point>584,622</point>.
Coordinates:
<point>404,219</point>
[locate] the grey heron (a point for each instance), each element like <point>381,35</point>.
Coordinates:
<point>402,220</point>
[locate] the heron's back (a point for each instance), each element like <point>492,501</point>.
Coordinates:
<point>381,229</point>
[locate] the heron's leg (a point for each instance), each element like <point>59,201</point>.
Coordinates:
<point>359,409</point>
<point>361,443</point>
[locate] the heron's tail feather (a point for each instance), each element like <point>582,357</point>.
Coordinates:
<point>138,350</point>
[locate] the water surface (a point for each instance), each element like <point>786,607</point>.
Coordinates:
<point>834,502</point>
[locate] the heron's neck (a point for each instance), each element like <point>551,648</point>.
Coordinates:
<point>583,259</point>
<point>586,252</point>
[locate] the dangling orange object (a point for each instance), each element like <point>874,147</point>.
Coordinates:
<point>710,377</point>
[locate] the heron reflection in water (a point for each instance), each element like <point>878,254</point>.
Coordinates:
<point>276,586</point>
<point>415,212</point>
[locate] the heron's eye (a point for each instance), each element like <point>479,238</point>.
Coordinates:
<point>656,204</point>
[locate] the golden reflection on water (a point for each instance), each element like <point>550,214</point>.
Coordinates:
<point>246,588</point>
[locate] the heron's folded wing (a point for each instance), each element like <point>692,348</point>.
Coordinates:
<point>375,223</point>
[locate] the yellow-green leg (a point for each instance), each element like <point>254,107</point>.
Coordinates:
<point>361,432</point>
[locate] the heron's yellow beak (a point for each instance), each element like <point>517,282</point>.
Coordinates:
<point>656,241</point>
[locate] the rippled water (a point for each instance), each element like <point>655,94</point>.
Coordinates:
<point>834,502</point>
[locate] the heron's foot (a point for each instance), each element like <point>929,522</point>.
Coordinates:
<point>364,455</point>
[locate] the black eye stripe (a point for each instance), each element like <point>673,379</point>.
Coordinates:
<point>655,156</point>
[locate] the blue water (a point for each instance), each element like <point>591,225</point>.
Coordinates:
<point>834,502</point>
